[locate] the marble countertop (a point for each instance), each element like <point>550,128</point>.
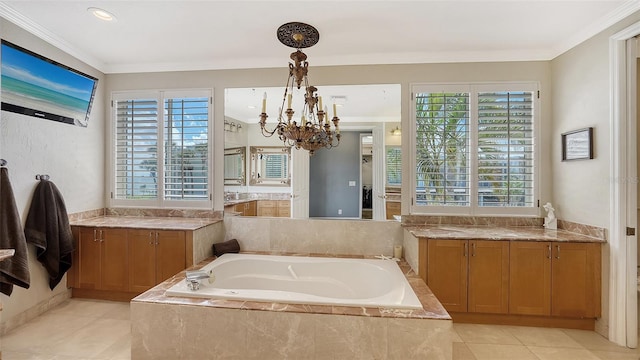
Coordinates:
<point>146,222</point>
<point>236,202</point>
<point>6,253</point>
<point>522,233</point>
<point>257,196</point>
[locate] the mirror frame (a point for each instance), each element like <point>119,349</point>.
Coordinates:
<point>259,150</point>
<point>239,181</point>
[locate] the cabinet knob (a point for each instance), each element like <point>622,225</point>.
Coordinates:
<point>150,237</point>
<point>465,250</point>
<point>95,235</point>
<point>101,236</point>
<point>473,249</point>
<point>549,248</point>
<point>558,252</point>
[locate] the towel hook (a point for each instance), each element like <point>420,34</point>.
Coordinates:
<point>42,177</point>
<point>3,162</point>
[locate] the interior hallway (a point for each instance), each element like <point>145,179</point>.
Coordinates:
<point>91,329</point>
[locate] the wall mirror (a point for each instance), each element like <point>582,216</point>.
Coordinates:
<point>270,165</point>
<point>363,109</point>
<point>234,166</point>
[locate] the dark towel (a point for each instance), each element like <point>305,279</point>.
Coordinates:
<point>230,246</point>
<point>47,227</point>
<point>14,270</point>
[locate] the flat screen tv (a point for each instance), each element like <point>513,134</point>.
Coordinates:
<point>36,86</point>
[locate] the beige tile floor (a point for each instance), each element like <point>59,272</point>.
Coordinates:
<point>100,330</point>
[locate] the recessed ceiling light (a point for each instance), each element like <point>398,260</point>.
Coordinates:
<point>102,14</point>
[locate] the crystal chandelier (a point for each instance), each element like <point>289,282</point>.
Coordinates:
<point>314,131</point>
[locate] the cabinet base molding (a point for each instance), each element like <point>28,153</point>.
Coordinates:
<point>524,320</point>
<point>110,295</point>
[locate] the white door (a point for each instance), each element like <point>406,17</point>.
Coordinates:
<point>378,193</point>
<point>299,184</point>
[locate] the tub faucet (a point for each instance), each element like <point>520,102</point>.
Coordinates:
<point>194,278</point>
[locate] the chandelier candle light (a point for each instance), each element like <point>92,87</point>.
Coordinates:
<point>314,130</point>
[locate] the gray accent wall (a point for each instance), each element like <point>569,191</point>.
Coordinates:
<point>330,171</point>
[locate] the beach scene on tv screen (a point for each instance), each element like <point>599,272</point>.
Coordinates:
<point>31,83</point>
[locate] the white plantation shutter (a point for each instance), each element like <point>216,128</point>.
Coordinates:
<point>442,149</point>
<point>186,148</point>
<point>394,165</point>
<point>136,145</point>
<point>161,149</point>
<point>505,148</point>
<point>276,166</point>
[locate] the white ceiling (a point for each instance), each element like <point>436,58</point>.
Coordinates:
<point>195,35</point>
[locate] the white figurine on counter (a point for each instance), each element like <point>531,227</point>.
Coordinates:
<point>550,221</point>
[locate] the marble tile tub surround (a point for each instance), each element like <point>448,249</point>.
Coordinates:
<point>495,221</point>
<point>174,327</point>
<point>331,237</point>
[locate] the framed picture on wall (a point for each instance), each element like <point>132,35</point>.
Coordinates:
<point>577,144</point>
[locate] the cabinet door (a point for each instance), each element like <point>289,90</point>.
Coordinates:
<point>488,277</point>
<point>252,208</point>
<point>267,208</point>
<point>88,274</point>
<point>284,208</point>
<point>447,272</point>
<point>142,267</point>
<point>530,282</point>
<point>170,254</point>
<point>114,260</point>
<point>575,280</point>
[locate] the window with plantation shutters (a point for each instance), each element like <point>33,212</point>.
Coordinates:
<point>275,166</point>
<point>505,148</point>
<point>442,149</point>
<point>136,145</point>
<point>394,166</point>
<point>162,150</point>
<point>186,148</point>
<point>474,149</point>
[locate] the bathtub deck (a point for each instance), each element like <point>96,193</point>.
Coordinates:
<point>187,328</point>
<point>431,307</point>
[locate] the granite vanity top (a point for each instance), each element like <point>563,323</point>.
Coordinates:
<point>479,232</point>
<point>6,253</point>
<point>146,222</point>
<point>257,196</point>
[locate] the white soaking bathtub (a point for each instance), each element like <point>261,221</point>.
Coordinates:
<point>304,280</point>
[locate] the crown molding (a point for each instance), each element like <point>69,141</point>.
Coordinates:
<point>595,28</point>
<point>10,14</point>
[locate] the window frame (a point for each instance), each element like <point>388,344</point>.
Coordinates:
<point>474,89</point>
<point>160,96</point>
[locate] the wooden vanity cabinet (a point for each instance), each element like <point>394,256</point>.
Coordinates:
<point>469,275</point>
<point>248,208</point>
<point>284,208</point>
<point>558,279</point>
<point>103,259</point>
<point>274,208</point>
<point>267,208</point>
<point>393,208</point>
<point>155,255</point>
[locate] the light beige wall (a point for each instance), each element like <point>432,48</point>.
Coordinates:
<point>73,156</point>
<point>353,75</point>
<point>581,98</point>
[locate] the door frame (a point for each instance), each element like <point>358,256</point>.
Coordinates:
<point>623,321</point>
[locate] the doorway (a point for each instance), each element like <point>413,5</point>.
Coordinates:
<point>366,176</point>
